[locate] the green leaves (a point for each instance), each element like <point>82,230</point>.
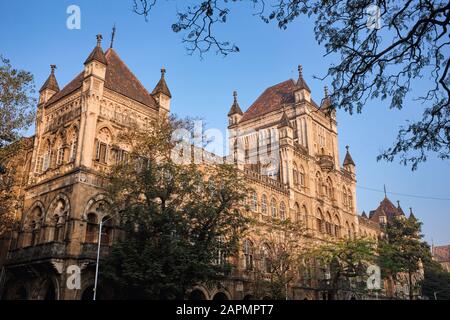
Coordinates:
<point>177,219</point>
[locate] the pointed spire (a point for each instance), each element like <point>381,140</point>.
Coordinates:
<point>235,109</point>
<point>326,100</point>
<point>97,54</point>
<point>385,193</point>
<point>364,215</point>
<point>301,84</point>
<point>113,34</point>
<point>161,86</point>
<point>399,209</point>
<point>411,214</point>
<point>348,158</point>
<point>51,82</point>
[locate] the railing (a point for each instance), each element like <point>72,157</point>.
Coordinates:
<point>52,250</point>
<point>89,251</point>
<point>266,180</point>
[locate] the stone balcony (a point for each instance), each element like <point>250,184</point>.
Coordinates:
<point>44,251</point>
<point>89,251</point>
<point>255,176</point>
<point>326,162</point>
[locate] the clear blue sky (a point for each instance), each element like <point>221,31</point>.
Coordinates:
<point>33,35</point>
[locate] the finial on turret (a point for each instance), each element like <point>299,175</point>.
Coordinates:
<point>53,67</point>
<point>163,72</point>
<point>99,40</point>
<point>235,96</point>
<point>326,91</point>
<point>300,71</point>
<point>113,34</point>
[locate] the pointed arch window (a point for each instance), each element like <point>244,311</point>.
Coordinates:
<point>264,204</point>
<point>248,255</point>
<point>273,208</point>
<point>282,211</point>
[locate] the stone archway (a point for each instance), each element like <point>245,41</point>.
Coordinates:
<point>197,294</point>
<point>220,296</point>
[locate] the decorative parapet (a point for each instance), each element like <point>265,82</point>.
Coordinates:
<point>272,183</point>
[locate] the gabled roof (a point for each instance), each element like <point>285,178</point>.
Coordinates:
<point>161,86</point>
<point>118,78</point>
<point>386,208</point>
<point>272,99</point>
<point>51,82</point>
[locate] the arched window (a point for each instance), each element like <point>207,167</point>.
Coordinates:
<point>328,225</point>
<point>255,202</point>
<point>73,144</point>
<point>264,204</point>
<point>353,231</point>
<point>298,213</point>
<point>104,140</point>
<point>92,228</point>
<point>337,226</point>
<point>302,176</point>
<point>344,197</point>
<point>107,229</point>
<point>282,211</point>
<point>349,231</point>
<point>248,255</point>
<point>273,208</point>
<point>329,188</point>
<point>57,228</point>
<point>295,174</point>
<point>320,221</point>
<point>318,184</point>
<point>266,265</point>
<point>34,226</point>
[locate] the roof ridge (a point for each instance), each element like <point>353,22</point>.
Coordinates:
<point>128,69</point>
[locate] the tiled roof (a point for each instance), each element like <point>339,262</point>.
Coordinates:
<point>272,99</point>
<point>51,82</point>
<point>386,208</point>
<point>235,108</point>
<point>442,253</point>
<point>161,86</point>
<point>118,78</point>
<point>97,55</point>
<point>348,159</point>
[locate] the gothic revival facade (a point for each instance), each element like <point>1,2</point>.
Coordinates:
<point>63,197</point>
<point>285,143</point>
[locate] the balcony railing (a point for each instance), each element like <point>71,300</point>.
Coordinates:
<point>89,251</point>
<point>52,250</point>
<point>266,180</point>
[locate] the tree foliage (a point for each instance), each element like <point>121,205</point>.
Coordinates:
<point>436,281</point>
<point>343,261</point>
<point>380,51</point>
<point>180,221</point>
<point>16,115</point>
<point>402,253</point>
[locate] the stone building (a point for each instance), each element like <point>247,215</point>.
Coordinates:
<point>442,255</point>
<point>285,143</point>
<point>63,198</point>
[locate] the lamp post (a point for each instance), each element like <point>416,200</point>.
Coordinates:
<point>98,255</point>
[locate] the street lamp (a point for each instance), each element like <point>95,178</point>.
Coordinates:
<point>98,254</point>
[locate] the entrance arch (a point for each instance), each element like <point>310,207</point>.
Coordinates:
<point>197,294</point>
<point>220,296</point>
